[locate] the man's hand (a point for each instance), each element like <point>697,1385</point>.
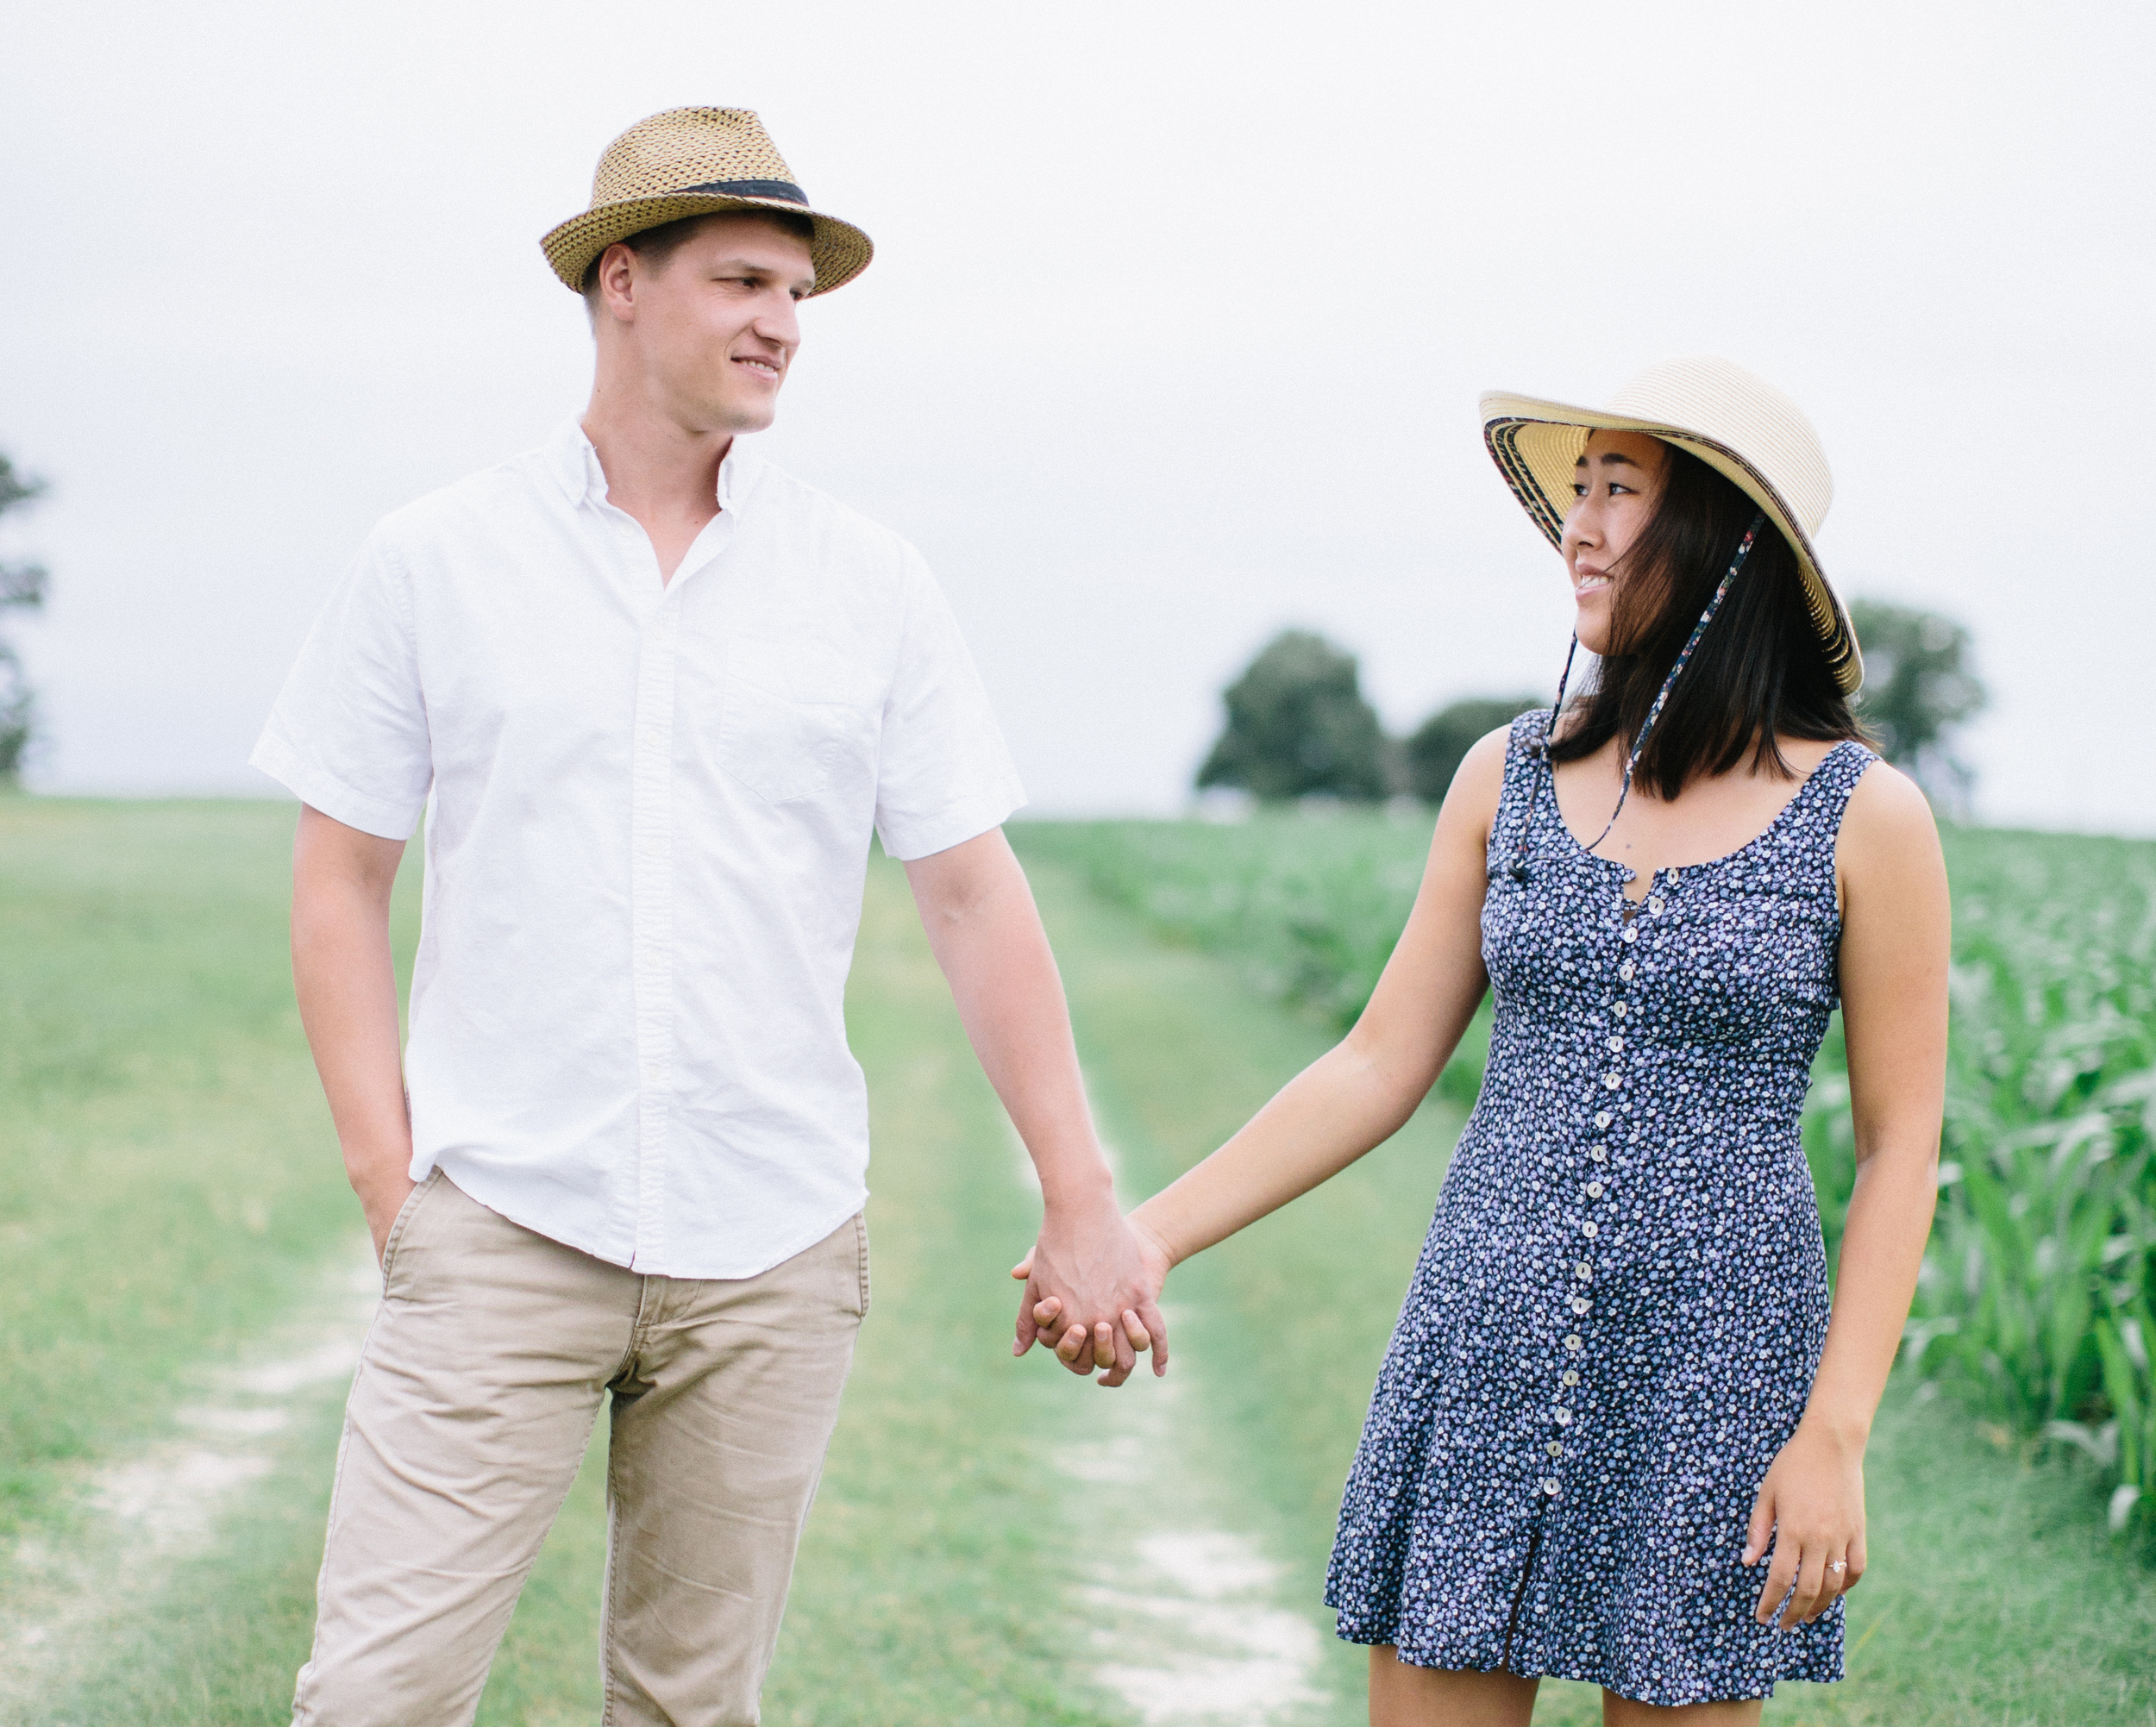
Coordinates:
<point>1115,1344</point>
<point>382,1199</point>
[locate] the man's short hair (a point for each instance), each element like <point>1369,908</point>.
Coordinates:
<point>656,245</point>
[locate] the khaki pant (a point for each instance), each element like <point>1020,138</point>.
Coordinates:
<point>470,1415</point>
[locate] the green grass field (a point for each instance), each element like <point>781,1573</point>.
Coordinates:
<point>995,1542</point>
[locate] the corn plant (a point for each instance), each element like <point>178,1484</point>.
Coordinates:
<point>2036,1292</point>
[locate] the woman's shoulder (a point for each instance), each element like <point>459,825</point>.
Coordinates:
<point>1888,821</point>
<point>1479,782</point>
<point>1886,803</point>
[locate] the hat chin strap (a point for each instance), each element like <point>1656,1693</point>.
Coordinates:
<point>1518,870</point>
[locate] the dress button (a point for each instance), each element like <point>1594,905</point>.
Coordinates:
<point>1573,1341</point>
<point>1613,1080</point>
<point>1616,1042</point>
<point>1602,1120</point>
<point>1561,1415</point>
<point>1554,1448</point>
<point>1655,906</point>
<point>1579,1304</point>
<point>1632,932</point>
<point>1593,1190</point>
<point>1590,1229</point>
<point>1571,1376</point>
<point>1583,1271</point>
<point>1550,1486</point>
<point>1622,1009</point>
<point>1624,971</point>
<point>1599,1153</point>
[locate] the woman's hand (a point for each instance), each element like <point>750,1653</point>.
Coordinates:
<point>1100,1348</point>
<point>1811,1506</point>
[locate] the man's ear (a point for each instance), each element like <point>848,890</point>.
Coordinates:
<point>613,285</point>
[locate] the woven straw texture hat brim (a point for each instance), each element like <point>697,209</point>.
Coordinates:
<point>697,161</point>
<point>1738,425</point>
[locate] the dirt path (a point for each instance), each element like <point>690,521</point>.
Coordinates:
<point>137,1516</point>
<point>1188,1624</point>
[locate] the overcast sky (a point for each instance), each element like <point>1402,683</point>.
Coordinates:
<point>1173,335</point>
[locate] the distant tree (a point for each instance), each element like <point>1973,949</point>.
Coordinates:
<point>1917,689</point>
<point>1437,747</point>
<point>1297,725</point>
<point>21,585</point>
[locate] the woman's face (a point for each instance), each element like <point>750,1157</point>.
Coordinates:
<point>1614,490</point>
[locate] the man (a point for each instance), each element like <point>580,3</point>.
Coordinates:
<point>653,694</point>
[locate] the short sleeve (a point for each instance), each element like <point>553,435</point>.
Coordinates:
<point>349,733</point>
<point>944,773</point>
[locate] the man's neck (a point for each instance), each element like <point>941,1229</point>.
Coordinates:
<point>661,473</point>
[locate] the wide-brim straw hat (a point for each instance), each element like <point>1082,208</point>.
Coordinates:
<point>697,161</point>
<point>1738,424</point>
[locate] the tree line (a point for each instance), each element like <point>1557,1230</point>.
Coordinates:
<point>21,588</point>
<point>1299,726</point>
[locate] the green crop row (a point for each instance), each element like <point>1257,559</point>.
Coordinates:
<point>2037,1301</point>
<point>2038,1296</point>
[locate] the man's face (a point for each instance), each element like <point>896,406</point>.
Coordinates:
<point>712,330</point>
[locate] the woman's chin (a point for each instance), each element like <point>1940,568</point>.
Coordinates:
<point>1590,617</point>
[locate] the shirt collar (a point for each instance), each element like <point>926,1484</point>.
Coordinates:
<point>573,463</point>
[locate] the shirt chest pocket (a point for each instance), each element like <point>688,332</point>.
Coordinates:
<point>788,750</point>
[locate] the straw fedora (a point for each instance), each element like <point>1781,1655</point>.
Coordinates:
<point>1738,424</point>
<point>697,161</point>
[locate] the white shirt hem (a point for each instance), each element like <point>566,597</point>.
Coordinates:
<point>475,1185</point>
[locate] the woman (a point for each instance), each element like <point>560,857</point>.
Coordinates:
<point>1617,1437</point>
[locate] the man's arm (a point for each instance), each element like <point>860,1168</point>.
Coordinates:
<point>987,934</point>
<point>346,984</point>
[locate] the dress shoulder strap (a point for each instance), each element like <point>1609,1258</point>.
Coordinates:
<point>1833,780</point>
<point>1516,798</point>
<point>1803,835</point>
<point>1523,755</point>
<point>1526,737</point>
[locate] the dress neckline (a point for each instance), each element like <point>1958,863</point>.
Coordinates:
<point>1673,871</point>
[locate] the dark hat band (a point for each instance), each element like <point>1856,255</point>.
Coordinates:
<point>783,190</point>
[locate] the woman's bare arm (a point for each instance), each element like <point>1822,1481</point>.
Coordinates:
<point>1359,1093</point>
<point>1894,940</point>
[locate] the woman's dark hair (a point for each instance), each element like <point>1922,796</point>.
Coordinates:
<point>1759,671</point>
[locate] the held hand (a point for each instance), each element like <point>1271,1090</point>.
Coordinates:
<point>1811,1506</point>
<point>1107,1271</point>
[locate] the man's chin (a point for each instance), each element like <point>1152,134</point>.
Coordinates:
<point>735,417</point>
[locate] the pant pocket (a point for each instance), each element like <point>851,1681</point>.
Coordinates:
<point>405,1212</point>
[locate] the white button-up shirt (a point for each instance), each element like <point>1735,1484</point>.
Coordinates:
<point>649,814</point>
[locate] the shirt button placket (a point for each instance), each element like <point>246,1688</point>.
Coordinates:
<point>651,917</point>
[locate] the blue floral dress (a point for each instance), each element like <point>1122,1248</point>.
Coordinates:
<point>1614,1323</point>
